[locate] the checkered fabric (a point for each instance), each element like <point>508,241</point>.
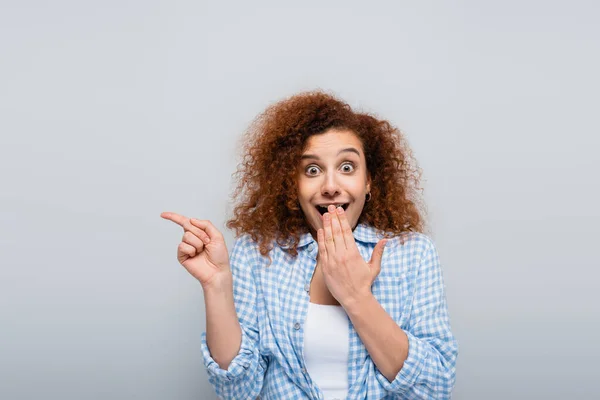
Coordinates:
<point>272,305</point>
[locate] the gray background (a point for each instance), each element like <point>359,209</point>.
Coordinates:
<point>112,112</point>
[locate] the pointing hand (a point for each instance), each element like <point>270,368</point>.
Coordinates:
<point>202,250</point>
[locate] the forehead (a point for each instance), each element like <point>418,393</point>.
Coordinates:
<point>329,142</point>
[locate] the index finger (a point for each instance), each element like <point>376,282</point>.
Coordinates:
<point>178,219</point>
<point>208,227</point>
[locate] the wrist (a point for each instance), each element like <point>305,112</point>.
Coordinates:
<point>218,283</point>
<point>353,304</point>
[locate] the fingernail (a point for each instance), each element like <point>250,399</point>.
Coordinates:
<point>340,210</point>
<point>326,216</point>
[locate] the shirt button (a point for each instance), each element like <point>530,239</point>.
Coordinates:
<point>297,325</point>
<point>307,287</point>
<point>303,370</point>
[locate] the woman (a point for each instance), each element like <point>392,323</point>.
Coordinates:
<point>297,312</point>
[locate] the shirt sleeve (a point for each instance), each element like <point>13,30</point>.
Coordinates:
<point>243,379</point>
<point>429,372</point>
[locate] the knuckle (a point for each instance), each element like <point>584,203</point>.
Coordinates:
<point>195,230</point>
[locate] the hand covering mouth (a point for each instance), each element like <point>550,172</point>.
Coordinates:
<point>322,209</point>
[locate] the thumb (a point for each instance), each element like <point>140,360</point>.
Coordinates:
<point>375,262</point>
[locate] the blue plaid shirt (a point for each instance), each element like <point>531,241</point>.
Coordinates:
<point>272,305</point>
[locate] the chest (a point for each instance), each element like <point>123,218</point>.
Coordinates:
<point>319,293</point>
<point>285,291</point>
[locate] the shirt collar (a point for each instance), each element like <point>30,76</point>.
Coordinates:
<point>362,233</point>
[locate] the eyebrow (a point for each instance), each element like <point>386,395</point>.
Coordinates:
<point>315,157</point>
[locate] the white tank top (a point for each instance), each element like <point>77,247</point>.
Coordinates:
<point>326,349</point>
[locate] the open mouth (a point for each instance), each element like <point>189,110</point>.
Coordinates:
<point>323,209</point>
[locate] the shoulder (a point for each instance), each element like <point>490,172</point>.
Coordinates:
<point>247,249</point>
<point>244,246</point>
<point>406,251</point>
<point>413,242</point>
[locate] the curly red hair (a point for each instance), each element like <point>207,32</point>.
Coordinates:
<point>267,189</point>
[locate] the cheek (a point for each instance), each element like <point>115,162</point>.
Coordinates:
<point>307,190</point>
<point>304,199</point>
<point>359,206</point>
<point>358,192</point>
<point>302,191</point>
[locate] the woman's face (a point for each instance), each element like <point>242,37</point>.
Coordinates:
<point>333,170</point>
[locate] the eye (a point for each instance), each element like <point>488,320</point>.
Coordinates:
<point>312,170</point>
<point>348,167</point>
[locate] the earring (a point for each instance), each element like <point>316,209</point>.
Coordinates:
<point>368,197</point>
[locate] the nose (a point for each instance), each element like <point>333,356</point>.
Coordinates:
<point>330,187</point>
